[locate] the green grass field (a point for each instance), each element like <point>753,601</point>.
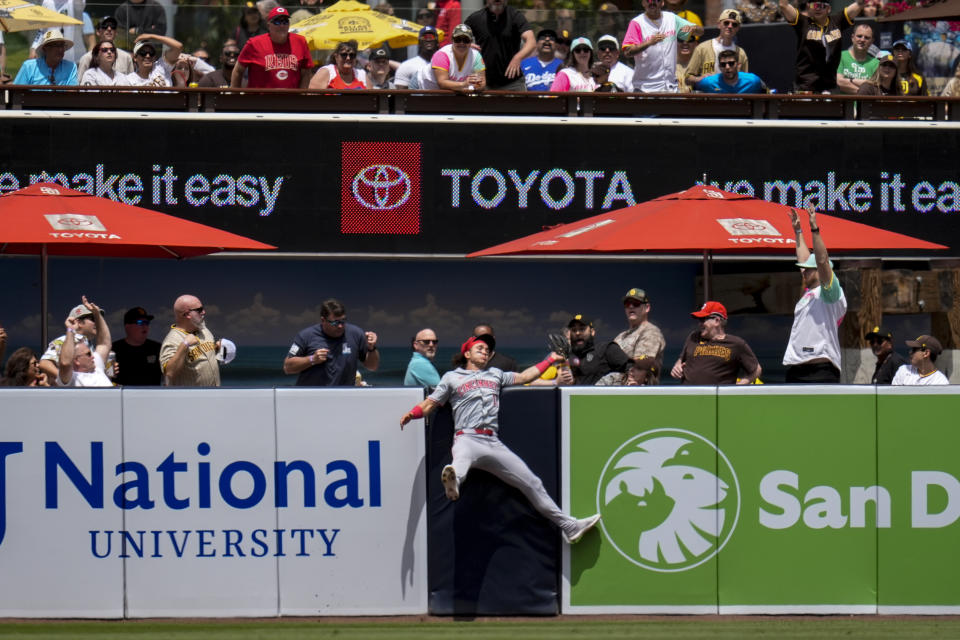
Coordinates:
<point>649,628</point>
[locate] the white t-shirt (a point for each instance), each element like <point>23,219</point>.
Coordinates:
<point>622,76</point>
<point>157,78</point>
<point>97,78</point>
<point>96,378</point>
<point>816,319</point>
<point>907,374</point>
<point>408,73</point>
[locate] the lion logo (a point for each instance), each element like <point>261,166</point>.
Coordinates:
<point>669,499</point>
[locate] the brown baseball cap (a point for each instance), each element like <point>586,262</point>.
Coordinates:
<point>926,342</point>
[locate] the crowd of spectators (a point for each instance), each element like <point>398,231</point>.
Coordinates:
<point>497,47</point>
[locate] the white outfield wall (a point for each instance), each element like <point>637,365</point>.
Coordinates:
<point>220,502</point>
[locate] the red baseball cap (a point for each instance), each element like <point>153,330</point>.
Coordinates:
<point>711,308</point>
<point>277,11</point>
<point>485,338</point>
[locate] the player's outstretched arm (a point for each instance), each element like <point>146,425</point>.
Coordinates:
<point>532,373</point>
<point>421,410</point>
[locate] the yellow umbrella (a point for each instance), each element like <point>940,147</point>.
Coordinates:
<point>351,20</point>
<point>20,15</point>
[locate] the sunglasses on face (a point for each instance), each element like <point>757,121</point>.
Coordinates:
<point>108,27</point>
<point>336,323</point>
<point>607,47</point>
<point>427,342</point>
<point>280,21</point>
<point>728,63</point>
<point>197,310</point>
<point>141,322</point>
<point>107,50</point>
<point>462,40</point>
<point>819,5</point>
<point>581,50</point>
<point>348,55</point>
<point>730,24</point>
<point>147,54</point>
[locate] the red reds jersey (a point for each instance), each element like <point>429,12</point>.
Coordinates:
<point>275,66</point>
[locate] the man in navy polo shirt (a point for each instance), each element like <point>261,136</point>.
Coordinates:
<point>326,354</point>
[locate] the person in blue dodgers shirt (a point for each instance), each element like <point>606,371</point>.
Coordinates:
<point>326,354</point>
<point>540,70</point>
<point>730,79</point>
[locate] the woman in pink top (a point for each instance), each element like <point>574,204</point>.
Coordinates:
<point>575,75</point>
<point>457,66</point>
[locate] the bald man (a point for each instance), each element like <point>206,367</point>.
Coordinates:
<point>188,355</point>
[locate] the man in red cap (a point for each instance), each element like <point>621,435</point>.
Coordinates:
<point>474,395</point>
<point>277,59</point>
<point>710,356</point>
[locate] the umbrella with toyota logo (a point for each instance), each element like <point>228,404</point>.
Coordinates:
<point>701,219</point>
<point>48,219</point>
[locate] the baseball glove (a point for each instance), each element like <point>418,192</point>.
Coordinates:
<point>559,344</point>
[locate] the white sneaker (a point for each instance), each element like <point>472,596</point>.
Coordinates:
<point>583,525</point>
<point>449,478</point>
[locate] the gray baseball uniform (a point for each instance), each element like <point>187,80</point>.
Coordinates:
<point>475,399</point>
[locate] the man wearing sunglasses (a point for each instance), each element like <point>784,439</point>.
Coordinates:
<point>188,355</point>
<point>421,371</point>
<point>540,70</point>
<point>730,79</point>
<point>220,78</point>
<point>642,341</point>
<point>711,356</point>
<point>326,354</point>
<point>608,52</point>
<point>819,39</point>
<point>107,32</point>
<point>277,59</point>
<point>49,67</point>
<point>703,62</point>
<point>888,360</point>
<point>138,357</point>
<point>921,371</point>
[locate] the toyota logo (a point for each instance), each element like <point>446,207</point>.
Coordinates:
<point>75,222</point>
<point>748,225</point>
<point>381,187</point>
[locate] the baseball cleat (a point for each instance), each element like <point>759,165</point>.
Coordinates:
<point>449,478</point>
<point>583,525</point>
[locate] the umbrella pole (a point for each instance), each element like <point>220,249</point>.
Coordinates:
<point>43,297</point>
<point>707,275</point>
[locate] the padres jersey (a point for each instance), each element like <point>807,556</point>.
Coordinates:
<point>474,396</point>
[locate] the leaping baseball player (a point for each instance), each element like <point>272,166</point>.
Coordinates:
<point>474,393</point>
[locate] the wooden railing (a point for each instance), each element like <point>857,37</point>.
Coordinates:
<point>491,103</point>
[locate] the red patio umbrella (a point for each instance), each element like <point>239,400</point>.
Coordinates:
<point>701,219</point>
<point>48,219</point>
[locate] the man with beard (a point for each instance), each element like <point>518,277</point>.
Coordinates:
<point>711,356</point>
<point>228,59</point>
<point>505,40</point>
<point>407,74</point>
<point>705,57</point>
<point>540,70</point>
<point>188,355</point>
<point>888,360</point>
<point>589,362</point>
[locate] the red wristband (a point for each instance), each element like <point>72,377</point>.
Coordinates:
<point>416,412</point>
<point>543,366</point>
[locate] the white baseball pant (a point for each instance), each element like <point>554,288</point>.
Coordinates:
<point>491,455</point>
